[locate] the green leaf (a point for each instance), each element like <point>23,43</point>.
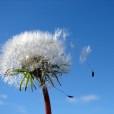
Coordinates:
<point>28,77</point>
<point>57,78</point>
<point>16,71</point>
<point>56,72</point>
<point>65,64</point>
<point>50,80</point>
<point>11,74</point>
<point>31,83</point>
<point>22,81</point>
<point>34,86</point>
<point>19,70</point>
<point>56,66</point>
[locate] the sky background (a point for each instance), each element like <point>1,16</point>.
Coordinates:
<point>89,23</point>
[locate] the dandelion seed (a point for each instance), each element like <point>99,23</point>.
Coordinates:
<point>84,53</point>
<point>83,57</point>
<point>71,45</point>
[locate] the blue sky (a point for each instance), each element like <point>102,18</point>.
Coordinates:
<point>89,23</point>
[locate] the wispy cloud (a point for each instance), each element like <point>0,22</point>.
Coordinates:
<point>19,108</point>
<point>81,99</point>
<point>89,98</point>
<point>3,96</point>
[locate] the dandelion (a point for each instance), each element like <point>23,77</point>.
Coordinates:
<point>34,56</point>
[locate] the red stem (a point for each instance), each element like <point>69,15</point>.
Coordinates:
<point>47,100</point>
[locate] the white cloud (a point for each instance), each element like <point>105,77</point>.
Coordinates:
<point>89,98</point>
<point>3,96</point>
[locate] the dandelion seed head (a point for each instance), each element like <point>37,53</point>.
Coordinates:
<point>30,47</point>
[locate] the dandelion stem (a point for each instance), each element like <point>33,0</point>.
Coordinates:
<point>45,93</point>
<point>47,100</point>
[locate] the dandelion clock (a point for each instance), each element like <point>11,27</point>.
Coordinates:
<point>34,56</point>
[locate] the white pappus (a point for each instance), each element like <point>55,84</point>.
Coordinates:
<point>28,49</point>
